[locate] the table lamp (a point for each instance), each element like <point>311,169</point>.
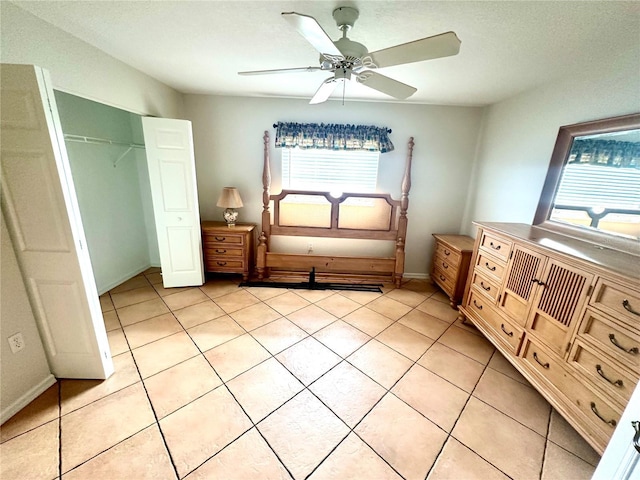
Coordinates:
<point>230,199</point>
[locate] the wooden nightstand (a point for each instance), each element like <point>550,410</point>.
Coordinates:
<point>450,265</point>
<point>228,249</point>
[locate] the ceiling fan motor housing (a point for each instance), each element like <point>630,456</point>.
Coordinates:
<point>345,17</point>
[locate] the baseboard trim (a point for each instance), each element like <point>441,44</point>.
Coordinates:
<point>123,279</point>
<point>29,396</point>
<point>418,276</point>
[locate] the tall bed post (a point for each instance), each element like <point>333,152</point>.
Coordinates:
<point>402,221</point>
<point>263,240</point>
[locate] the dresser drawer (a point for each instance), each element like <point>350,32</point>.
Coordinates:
<point>221,264</point>
<point>450,256</point>
<point>222,251</point>
<point>498,247</point>
<point>490,267</point>
<point>214,239</point>
<point>612,379</point>
<point>485,286</point>
<point>613,338</point>
<point>446,281</point>
<point>506,331</point>
<point>616,300</point>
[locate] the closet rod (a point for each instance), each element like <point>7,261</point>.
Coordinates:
<point>99,141</point>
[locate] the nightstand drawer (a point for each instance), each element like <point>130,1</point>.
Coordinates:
<point>211,238</point>
<point>447,254</point>
<point>222,251</point>
<point>228,249</point>
<point>446,282</point>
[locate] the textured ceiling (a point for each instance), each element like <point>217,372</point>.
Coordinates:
<point>507,46</point>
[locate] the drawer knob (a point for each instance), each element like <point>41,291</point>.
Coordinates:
<point>485,287</point>
<point>220,251</point>
<point>505,331</point>
<point>220,239</point>
<point>629,308</point>
<point>493,269</point>
<point>630,351</point>
<point>595,411</point>
<point>221,264</point>
<point>444,265</point>
<point>617,383</point>
<point>543,365</point>
<point>495,247</point>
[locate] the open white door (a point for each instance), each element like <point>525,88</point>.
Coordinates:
<point>40,206</point>
<point>172,173</point>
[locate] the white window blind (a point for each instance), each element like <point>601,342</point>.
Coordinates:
<point>354,171</point>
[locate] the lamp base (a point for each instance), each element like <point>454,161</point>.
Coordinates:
<point>230,216</point>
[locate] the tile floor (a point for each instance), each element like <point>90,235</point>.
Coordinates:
<point>261,383</point>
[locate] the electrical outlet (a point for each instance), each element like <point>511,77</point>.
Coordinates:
<point>16,342</point>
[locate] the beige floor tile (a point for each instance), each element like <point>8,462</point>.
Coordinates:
<point>508,445</point>
<point>32,455</point>
<point>558,463</point>
<point>198,313</point>
<point>380,362</point>
<point>338,305</point>
<point>278,335</point>
<point>164,353</point>
<point>175,387</point>
<point>462,371</point>
<point>308,360</point>
<point>232,302</point>
<point>40,411</point>
<point>236,356</point>
<point>152,270</point>
<point>151,330</point>
<point>408,297</point>
<point>564,435</point>
<point>117,342</point>
<point>78,393</point>
<point>131,297</point>
<point>287,303</point>
<point>218,288</point>
<point>405,439</point>
<point>111,321</point>
<point>216,332</point>
<point>502,365</point>
<point>389,307</point>
<point>419,285</point>
<point>154,278</point>
<point>186,298</point>
<point>458,462</point>
<point>354,459</point>
<point>311,318</point>
<point>138,281</point>
<point>302,433</point>
<point>163,292</point>
<point>368,321</point>
<point>92,429</point>
<point>255,316</point>
<point>361,297</point>
<point>264,388</point>
<point>150,461</point>
<point>202,428</point>
<point>440,297</point>
<point>520,402</point>
<point>342,338</point>
<point>426,324</point>
<point>468,344</point>
<point>438,309</point>
<point>314,296</point>
<point>141,311</point>
<point>249,457</point>
<point>348,392</point>
<point>405,340</point>
<point>438,400</point>
<point>468,326</point>
<point>105,303</point>
<point>265,293</point>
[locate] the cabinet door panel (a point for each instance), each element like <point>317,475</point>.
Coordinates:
<point>523,272</point>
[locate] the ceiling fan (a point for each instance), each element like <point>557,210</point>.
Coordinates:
<point>347,59</point>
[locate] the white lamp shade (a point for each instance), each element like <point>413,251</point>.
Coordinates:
<point>229,198</point>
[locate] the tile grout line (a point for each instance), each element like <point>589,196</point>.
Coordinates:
<point>59,429</point>
<point>546,444</point>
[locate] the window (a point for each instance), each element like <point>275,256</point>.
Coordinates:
<point>335,171</point>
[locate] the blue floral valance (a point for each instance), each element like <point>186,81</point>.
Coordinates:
<point>333,136</point>
<point>612,153</point>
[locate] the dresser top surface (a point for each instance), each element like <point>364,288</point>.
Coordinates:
<point>222,226</point>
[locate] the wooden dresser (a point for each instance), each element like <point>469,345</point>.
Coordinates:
<point>228,249</point>
<point>450,265</point>
<point>566,314</point>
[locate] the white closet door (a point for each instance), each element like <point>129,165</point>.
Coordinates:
<point>172,173</point>
<point>40,206</point>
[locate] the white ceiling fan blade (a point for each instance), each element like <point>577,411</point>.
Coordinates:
<point>325,90</point>
<point>443,45</point>
<point>385,84</point>
<point>310,29</point>
<point>281,70</point>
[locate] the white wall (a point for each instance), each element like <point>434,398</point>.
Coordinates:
<point>228,135</point>
<point>25,374</point>
<point>80,69</point>
<point>519,135</point>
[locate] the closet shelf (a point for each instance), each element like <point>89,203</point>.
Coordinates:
<point>103,141</point>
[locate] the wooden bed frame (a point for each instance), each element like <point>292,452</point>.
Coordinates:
<point>386,269</point>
